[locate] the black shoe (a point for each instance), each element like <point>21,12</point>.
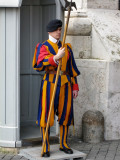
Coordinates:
<point>66,150</point>
<point>46,154</point>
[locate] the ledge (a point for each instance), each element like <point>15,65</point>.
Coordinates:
<point>73,14</point>
<point>79,26</point>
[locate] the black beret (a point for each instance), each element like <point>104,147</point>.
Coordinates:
<point>53,25</point>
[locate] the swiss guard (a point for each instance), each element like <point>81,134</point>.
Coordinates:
<point>46,58</point>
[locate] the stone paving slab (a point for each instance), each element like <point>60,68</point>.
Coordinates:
<point>99,151</point>
<point>107,150</point>
<point>34,153</point>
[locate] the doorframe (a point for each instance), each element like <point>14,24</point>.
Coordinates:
<point>59,15</point>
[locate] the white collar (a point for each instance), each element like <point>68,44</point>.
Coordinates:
<point>52,39</point>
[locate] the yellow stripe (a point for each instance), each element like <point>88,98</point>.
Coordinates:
<point>51,76</point>
<point>68,105</point>
<point>65,133</point>
<point>43,132</point>
<point>54,45</point>
<point>51,67</point>
<point>42,121</point>
<point>65,138</point>
<point>46,63</point>
<point>73,80</point>
<point>44,76</point>
<point>61,101</point>
<point>47,139</point>
<point>34,61</point>
<point>39,69</point>
<point>34,58</point>
<point>64,60</point>
<point>69,45</point>
<point>74,72</point>
<point>61,133</point>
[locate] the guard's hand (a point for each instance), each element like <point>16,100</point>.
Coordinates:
<point>75,93</point>
<point>60,54</point>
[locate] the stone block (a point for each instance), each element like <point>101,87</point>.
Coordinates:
<point>81,45</point>
<point>79,26</point>
<point>113,4</point>
<point>34,153</point>
<point>114,77</point>
<point>98,49</point>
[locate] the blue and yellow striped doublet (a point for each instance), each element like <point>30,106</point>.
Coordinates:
<point>63,102</point>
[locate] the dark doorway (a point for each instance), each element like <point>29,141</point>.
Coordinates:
<point>34,16</point>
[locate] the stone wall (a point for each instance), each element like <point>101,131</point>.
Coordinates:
<point>99,90</point>
<point>93,91</point>
<point>99,87</point>
<point>113,106</point>
<point>107,4</point>
<point>105,37</point>
<point>80,37</point>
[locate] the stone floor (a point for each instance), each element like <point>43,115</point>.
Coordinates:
<point>107,150</point>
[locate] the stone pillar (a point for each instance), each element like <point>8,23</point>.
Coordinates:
<point>93,126</point>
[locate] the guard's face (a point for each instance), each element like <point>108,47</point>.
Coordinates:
<point>56,34</point>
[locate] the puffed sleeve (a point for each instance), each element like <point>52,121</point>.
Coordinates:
<point>42,58</point>
<point>74,72</point>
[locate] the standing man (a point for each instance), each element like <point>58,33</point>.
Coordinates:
<point>46,58</point>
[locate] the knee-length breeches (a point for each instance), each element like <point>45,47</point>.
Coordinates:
<point>63,104</point>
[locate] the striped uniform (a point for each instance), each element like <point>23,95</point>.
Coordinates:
<point>63,102</point>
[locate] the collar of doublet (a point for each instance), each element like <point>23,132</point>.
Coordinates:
<point>52,39</point>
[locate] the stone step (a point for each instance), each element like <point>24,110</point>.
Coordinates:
<point>38,141</point>
<point>34,153</point>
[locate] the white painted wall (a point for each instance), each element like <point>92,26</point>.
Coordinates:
<point>10,3</point>
<point>10,75</point>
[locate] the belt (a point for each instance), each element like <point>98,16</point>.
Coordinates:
<point>60,73</point>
